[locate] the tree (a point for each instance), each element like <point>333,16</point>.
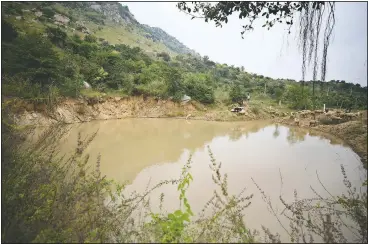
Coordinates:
<point>310,22</point>
<point>8,32</point>
<point>297,96</point>
<point>32,56</point>
<point>236,94</point>
<point>165,56</point>
<point>56,36</point>
<point>48,12</point>
<point>198,87</point>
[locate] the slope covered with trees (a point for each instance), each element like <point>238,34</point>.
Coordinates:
<point>48,56</point>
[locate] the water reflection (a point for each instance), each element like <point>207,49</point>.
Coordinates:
<point>296,135</point>
<point>150,150</point>
<point>276,133</point>
<point>128,146</point>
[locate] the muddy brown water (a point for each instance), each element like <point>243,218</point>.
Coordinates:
<point>143,151</point>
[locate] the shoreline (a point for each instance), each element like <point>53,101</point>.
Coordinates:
<point>76,111</point>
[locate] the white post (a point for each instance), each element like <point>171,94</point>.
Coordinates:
<point>324,107</point>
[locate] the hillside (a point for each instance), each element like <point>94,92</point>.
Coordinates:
<point>110,21</point>
<point>50,49</point>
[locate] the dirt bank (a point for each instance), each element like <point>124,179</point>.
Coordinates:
<point>88,109</point>
<point>84,110</point>
<point>350,127</point>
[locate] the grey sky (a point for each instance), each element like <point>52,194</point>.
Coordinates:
<point>271,53</point>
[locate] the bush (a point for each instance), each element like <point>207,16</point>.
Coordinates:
<point>71,88</point>
<point>18,87</point>
<point>90,39</point>
<point>48,12</point>
<point>157,88</point>
<point>197,87</point>
<point>14,8</point>
<point>237,94</point>
<point>165,56</point>
<point>56,36</point>
<point>32,57</point>
<point>8,31</point>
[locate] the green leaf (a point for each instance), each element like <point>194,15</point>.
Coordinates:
<point>185,217</point>
<point>365,183</point>
<point>190,177</point>
<point>178,212</point>
<point>171,216</point>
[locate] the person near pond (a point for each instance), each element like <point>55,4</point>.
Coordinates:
<point>247,98</point>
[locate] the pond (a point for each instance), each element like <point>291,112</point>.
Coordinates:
<point>279,159</point>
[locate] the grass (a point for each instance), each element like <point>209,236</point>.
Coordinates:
<point>91,93</point>
<point>221,95</point>
<point>119,34</point>
<point>116,93</point>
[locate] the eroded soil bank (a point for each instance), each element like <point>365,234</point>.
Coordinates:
<point>351,127</point>
<point>88,109</point>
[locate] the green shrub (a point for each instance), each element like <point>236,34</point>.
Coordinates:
<point>8,31</point>
<point>18,87</point>
<point>32,57</point>
<point>165,56</point>
<point>157,88</point>
<point>90,39</point>
<point>48,12</point>
<point>237,94</point>
<point>56,36</point>
<point>13,8</point>
<point>197,87</point>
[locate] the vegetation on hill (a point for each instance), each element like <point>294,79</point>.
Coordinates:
<point>41,58</point>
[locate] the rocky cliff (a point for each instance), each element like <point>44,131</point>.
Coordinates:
<point>119,13</point>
